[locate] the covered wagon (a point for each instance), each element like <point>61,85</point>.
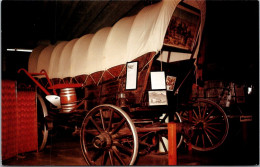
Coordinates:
<point>119,85</point>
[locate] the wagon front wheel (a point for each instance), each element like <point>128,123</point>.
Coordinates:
<point>108,137</point>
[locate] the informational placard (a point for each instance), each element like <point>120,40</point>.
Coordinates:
<point>158,80</point>
<point>131,75</point>
<point>157,98</point>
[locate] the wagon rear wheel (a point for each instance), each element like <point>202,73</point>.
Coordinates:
<point>41,124</point>
<point>210,124</point>
<point>163,136</point>
<point>108,137</point>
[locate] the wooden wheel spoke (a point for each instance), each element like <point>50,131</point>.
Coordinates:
<point>209,127</point>
<point>96,155</point>
<point>102,119</point>
<point>110,120</point>
<point>163,144</point>
<point>145,136</point>
<point>199,112</point>
<point>96,125</point>
<point>204,111</point>
<point>208,137</point>
<point>195,114</point>
<point>90,146</point>
<point>203,140</point>
<point>216,123</point>
<point>197,139</point>
<point>122,162</point>
<point>215,117</point>
<point>184,118</point>
<point>118,126</point>
<point>104,158</point>
<point>187,119</point>
<point>128,150</point>
<point>110,153</point>
<point>93,132</point>
<point>212,134</point>
<point>209,114</point>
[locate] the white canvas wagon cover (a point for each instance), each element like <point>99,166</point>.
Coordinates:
<point>130,38</point>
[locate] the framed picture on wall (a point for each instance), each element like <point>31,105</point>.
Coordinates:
<point>158,80</point>
<point>183,28</point>
<point>157,98</point>
<point>170,82</point>
<point>131,75</point>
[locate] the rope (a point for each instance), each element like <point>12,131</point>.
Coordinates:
<point>46,85</point>
<point>148,62</point>
<point>121,72</point>
<point>177,90</point>
<point>75,79</point>
<point>101,77</point>
<point>85,80</point>
<point>110,73</point>
<point>92,78</point>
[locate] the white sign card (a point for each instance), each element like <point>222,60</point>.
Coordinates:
<point>157,98</point>
<point>158,80</point>
<point>131,75</point>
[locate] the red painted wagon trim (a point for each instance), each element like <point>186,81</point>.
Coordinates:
<point>35,81</point>
<point>60,86</point>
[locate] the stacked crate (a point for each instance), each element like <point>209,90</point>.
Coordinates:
<point>240,93</point>
<point>9,120</point>
<point>197,92</point>
<point>19,120</point>
<point>27,121</point>
<point>223,93</point>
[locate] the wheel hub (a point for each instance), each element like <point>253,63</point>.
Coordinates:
<point>102,141</point>
<point>200,125</point>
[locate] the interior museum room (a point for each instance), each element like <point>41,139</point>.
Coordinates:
<point>135,82</point>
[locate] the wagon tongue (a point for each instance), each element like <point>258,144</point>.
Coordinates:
<point>54,99</point>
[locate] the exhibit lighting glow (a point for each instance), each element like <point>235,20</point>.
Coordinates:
<point>249,90</point>
<point>11,50</point>
<point>19,50</point>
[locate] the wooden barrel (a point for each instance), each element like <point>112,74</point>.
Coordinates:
<point>68,99</point>
<point>66,108</point>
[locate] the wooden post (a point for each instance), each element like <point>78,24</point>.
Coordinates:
<point>244,132</point>
<point>172,144</point>
<point>189,143</point>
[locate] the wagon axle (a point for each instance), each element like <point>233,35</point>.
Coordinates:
<point>102,141</point>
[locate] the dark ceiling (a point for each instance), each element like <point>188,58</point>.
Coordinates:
<point>230,37</point>
<point>24,23</point>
